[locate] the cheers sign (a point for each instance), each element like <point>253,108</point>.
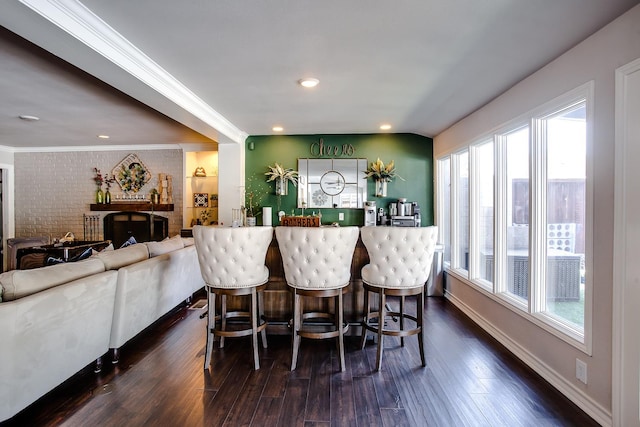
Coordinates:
<point>319,149</point>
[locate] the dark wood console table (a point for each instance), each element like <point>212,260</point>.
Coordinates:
<point>34,257</point>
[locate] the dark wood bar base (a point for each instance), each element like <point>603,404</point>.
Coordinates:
<point>278,297</point>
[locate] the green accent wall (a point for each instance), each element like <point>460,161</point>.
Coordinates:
<point>412,154</point>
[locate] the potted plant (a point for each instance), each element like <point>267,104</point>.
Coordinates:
<point>254,193</point>
<point>99,180</point>
<point>108,180</point>
<point>382,175</point>
<point>282,177</point>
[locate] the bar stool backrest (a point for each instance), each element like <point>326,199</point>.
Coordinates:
<point>400,257</point>
<point>233,257</point>
<point>316,258</point>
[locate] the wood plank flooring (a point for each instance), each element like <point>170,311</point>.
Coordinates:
<point>470,380</point>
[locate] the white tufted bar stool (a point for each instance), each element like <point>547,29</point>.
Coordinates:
<point>400,264</point>
<point>317,263</point>
<point>232,262</point>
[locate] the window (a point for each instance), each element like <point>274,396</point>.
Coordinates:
<point>518,204</point>
<point>516,226</point>
<point>482,201</point>
<point>444,206</point>
<point>566,143</point>
<point>460,220</point>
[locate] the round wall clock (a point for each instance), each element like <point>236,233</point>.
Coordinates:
<point>332,183</point>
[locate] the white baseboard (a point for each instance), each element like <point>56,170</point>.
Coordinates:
<point>584,402</point>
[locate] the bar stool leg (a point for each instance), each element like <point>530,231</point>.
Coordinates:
<point>261,318</point>
<point>297,319</point>
<point>254,328</point>
<point>381,316</point>
<point>339,324</point>
<point>211,323</point>
<point>402,319</point>
<point>365,321</point>
<point>223,318</point>
<point>420,317</point>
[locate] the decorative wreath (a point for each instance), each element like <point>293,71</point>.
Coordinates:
<point>131,174</point>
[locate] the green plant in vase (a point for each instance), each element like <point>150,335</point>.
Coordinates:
<point>108,180</point>
<point>282,176</point>
<point>99,180</point>
<point>382,175</point>
<point>254,194</point>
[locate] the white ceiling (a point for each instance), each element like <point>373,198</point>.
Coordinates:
<point>230,67</point>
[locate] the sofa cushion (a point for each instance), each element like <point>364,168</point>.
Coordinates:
<point>188,241</point>
<point>20,283</point>
<point>167,245</point>
<point>113,260</point>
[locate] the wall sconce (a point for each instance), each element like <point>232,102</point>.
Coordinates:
<point>251,145</point>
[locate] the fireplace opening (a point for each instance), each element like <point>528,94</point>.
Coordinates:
<point>144,227</point>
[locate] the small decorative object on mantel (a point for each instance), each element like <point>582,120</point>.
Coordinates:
<point>166,188</point>
<point>131,174</point>
<point>98,179</point>
<point>108,180</point>
<point>154,196</point>
<point>382,175</point>
<point>200,172</point>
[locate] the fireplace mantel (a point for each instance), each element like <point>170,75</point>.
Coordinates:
<point>132,207</point>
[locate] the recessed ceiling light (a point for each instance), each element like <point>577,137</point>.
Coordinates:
<point>277,128</point>
<point>385,126</point>
<point>29,118</point>
<point>103,136</point>
<point>308,82</point>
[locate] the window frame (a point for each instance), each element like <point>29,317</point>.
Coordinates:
<point>534,307</point>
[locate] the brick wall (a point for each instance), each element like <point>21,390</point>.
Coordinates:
<point>54,189</point>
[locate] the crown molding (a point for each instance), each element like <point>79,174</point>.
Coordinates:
<point>81,23</point>
<point>62,149</point>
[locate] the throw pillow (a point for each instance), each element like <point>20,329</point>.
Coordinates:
<point>84,255</point>
<point>129,242</point>
<point>53,261</point>
<point>108,248</point>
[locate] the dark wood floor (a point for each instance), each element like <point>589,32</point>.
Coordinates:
<point>470,380</point>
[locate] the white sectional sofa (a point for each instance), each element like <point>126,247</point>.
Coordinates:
<point>56,320</point>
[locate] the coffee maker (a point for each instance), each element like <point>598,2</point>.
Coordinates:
<point>404,214</point>
<point>370,213</point>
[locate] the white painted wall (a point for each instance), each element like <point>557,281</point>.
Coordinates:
<point>231,178</point>
<point>54,188</point>
<point>594,59</point>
